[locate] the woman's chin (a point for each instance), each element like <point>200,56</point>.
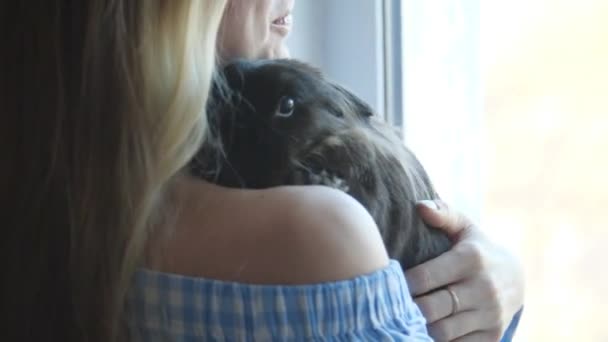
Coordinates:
<point>278,50</point>
<point>283,52</point>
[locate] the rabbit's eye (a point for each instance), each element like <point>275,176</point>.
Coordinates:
<point>286,106</point>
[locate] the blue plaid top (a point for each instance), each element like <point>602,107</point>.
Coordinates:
<point>373,307</point>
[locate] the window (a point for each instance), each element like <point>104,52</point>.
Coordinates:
<point>546,156</point>
<point>505,104</point>
<point>441,95</point>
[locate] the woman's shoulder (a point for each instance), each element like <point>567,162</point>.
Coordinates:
<point>283,235</point>
<point>276,264</point>
<point>327,235</point>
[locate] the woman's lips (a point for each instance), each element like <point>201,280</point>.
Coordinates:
<point>282,25</point>
<point>283,20</point>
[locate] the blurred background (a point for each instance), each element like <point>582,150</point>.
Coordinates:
<point>545,111</point>
<point>506,105</point>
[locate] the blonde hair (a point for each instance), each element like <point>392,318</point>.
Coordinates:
<point>102,105</point>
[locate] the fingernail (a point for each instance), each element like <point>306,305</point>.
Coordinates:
<point>429,204</point>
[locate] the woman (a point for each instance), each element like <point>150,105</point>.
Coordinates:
<point>486,282</point>
<point>103,106</point>
<point>103,109</point>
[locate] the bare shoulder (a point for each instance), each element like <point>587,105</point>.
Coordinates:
<point>320,234</point>
<point>283,235</point>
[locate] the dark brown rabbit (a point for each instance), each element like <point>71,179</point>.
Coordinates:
<point>281,122</point>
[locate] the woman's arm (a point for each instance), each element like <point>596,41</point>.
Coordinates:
<point>485,279</point>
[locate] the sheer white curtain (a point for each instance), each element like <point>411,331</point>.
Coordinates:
<point>442,95</point>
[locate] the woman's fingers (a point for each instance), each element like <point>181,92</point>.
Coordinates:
<point>461,325</point>
<point>435,273</point>
<point>440,304</point>
<point>453,327</point>
<point>439,215</point>
<point>487,279</point>
<point>481,336</point>
<point>435,306</point>
<point>452,266</point>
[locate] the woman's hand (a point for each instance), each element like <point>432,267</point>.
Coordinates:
<point>485,281</point>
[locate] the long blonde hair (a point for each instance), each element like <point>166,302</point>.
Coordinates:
<point>102,104</point>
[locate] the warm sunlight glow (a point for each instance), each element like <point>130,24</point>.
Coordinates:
<point>546,156</point>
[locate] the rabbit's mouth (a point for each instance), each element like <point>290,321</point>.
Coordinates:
<point>315,163</point>
<point>316,176</point>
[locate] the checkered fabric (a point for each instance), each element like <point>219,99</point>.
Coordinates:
<point>373,307</point>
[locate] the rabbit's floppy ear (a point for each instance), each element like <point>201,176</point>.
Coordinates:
<point>234,72</point>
